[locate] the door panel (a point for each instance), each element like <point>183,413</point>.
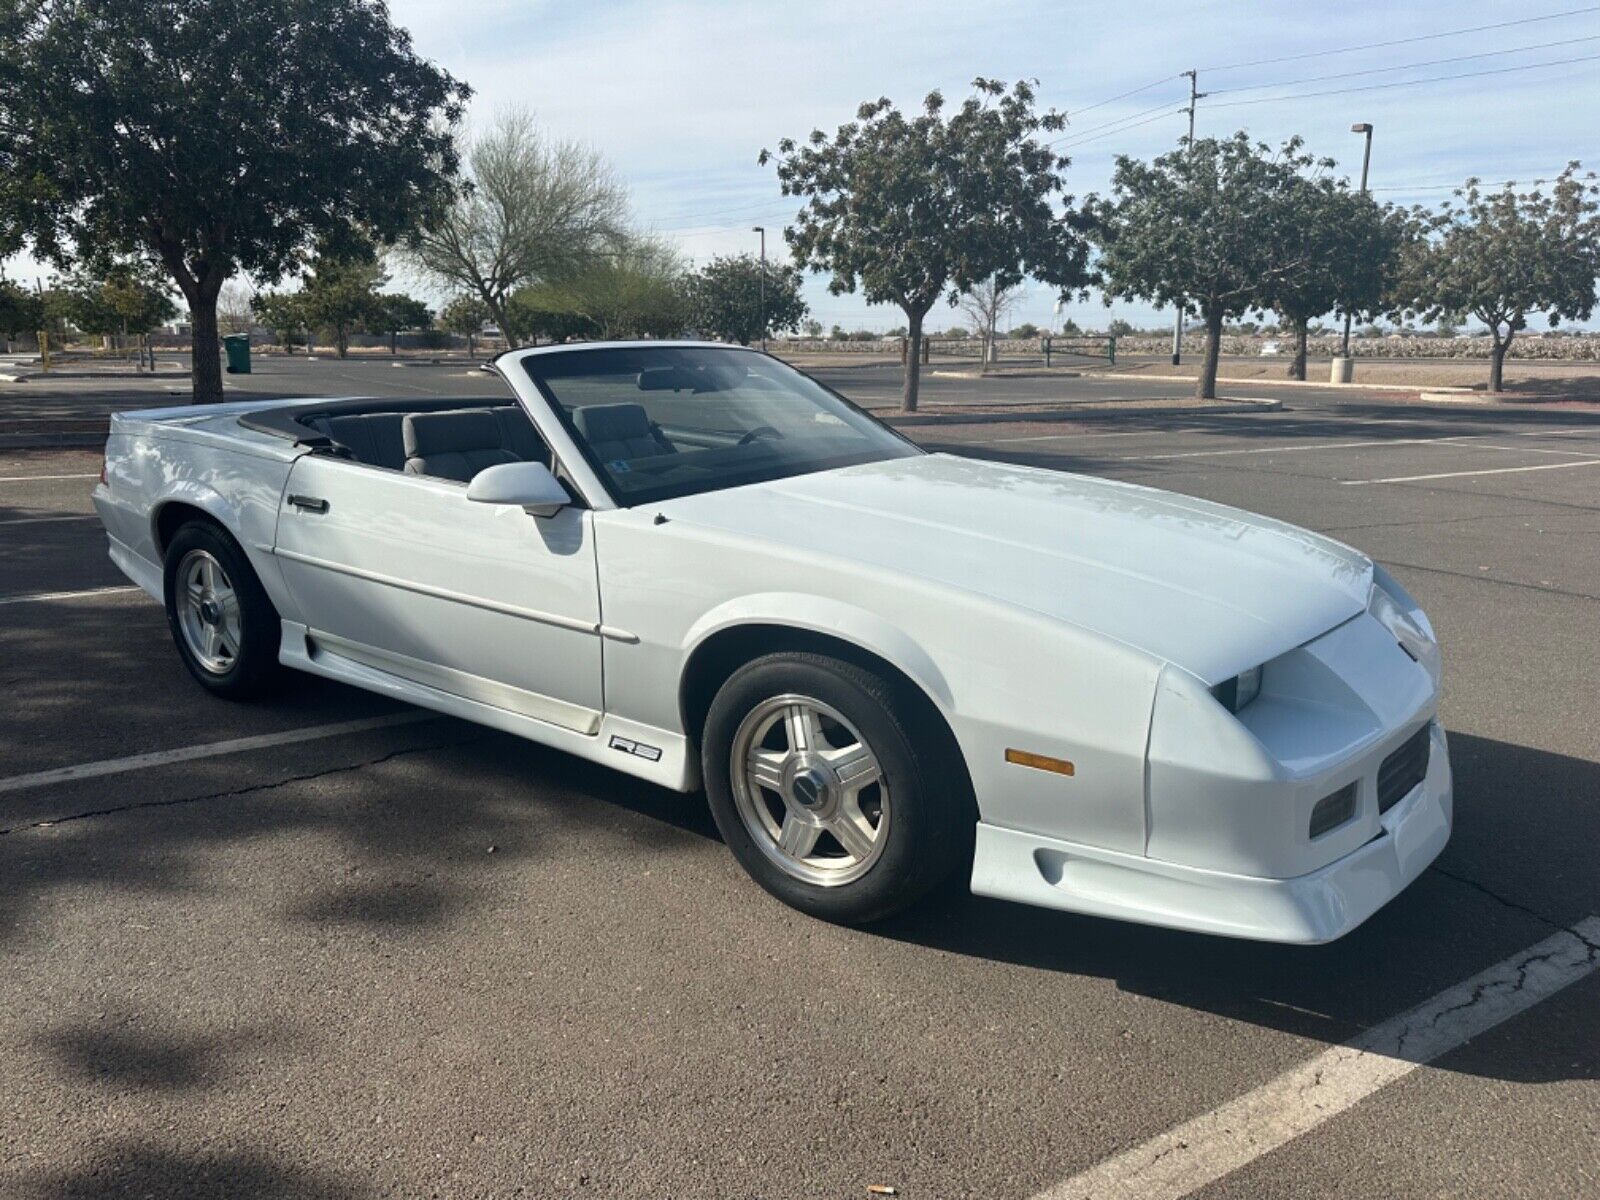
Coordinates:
<point>405,574</point>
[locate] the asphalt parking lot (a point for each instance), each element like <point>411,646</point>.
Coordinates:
<point>361,953</point>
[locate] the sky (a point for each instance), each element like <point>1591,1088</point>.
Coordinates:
<point>682,95</point>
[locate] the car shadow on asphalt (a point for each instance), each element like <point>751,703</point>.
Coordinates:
<point>1466,913</point>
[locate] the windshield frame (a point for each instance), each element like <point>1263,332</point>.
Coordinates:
<point>558,411</point>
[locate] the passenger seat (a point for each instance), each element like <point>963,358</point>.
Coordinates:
<point>620,431</point>
<point>455,444</point>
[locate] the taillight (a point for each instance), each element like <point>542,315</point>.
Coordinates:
<point>102,472</point>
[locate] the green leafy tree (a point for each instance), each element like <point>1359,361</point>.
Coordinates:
<point>1120,328</point>
<point>811,328</point>
<point>395,312</point>
<point>912,209</point>
<point>538,211</point>
<point>340,296</point>
<point>1207,227</point>
<point>21,311</point>
<point>216,136</point>
<point>726,298</point>
<point>284,313</point>
<point>465,315</point>
<point>1341,251</point>
<point>1505,255</point>
<point>120,299</point>
<point>638,291</point>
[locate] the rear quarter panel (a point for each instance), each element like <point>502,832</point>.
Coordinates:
<point>149,467</point>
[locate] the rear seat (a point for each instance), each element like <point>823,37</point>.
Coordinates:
<point>378,439</point>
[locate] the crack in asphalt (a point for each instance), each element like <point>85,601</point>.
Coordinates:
<point>1594,947</point>
<point>242,791</point>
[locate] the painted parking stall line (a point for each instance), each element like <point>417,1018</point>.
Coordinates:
<point>162,758</point>
<point>40,478</point>
<point>1203,1150</point>
<point>1588,462</point>
<point>45,597</point>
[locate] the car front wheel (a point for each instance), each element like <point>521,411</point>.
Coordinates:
<point>831,790</point>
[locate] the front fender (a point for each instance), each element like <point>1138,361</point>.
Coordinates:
<point>853,624</point>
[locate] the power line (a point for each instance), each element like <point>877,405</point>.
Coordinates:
<point>1077,135</point>
<point>1074,112</point>
<point>1435,62</point>
<point>1485,179</point>
<point>1378,87</point>
<point>1424,37</point>
<point>1166,111</point>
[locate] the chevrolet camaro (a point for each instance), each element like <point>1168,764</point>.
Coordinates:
<point>887,669</point>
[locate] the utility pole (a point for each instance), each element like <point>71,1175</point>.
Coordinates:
<point>1177,320</point>
<point>762,230</point>
<point>1366,161</point>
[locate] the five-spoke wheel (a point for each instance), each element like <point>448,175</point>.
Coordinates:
<point>810,790</point>
<point>222,620</point>
<point>838,789</point>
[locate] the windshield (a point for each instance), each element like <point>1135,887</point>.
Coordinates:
<point>663,421</point>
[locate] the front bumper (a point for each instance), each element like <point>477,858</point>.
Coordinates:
<point>1316,907</point>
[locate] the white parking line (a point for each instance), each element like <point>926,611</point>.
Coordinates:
<point>1588,462</point>
<point>34,478</point>
<point>34,597</point>
<point>1459,439</point>
<point>161,758</point>
<point>47,520</point>
<point>1203,1150</point>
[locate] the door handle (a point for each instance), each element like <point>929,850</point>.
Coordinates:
<point>309,503</point>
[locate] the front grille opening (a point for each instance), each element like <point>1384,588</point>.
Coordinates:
<point>1334,810</point>
<point>1404,769</point>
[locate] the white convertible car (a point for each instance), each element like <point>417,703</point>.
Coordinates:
<point>886,668</point>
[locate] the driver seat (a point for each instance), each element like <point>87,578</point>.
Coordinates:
<point>620,431</point>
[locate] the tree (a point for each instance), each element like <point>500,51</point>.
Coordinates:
<point>1206,227</point>
<point>394,312</point>
<point>217,136</point>
<point>1120,328</point>
<point>726,298</point>
<point>465,315</point>
<point>340,295</point>
<point>118,299</point>
<point>1502,256</point>
<point>284,313</point>
<point>637,292</point>
<point>986,304</point>
<point>536,212</point>
<point>919,208</point>
<point>235,307</point>
<point>1341,247</point>
<point>21,311</point>
<point>812,328</point>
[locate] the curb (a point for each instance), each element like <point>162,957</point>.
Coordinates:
<point>1056,412</point>
<point>1025,373</point>
<point>7,377</point>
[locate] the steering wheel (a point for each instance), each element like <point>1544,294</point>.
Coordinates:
<point>760,431</point>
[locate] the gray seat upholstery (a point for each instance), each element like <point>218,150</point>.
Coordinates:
<point>518,435</point>
<point>372,438</point>
<point>620,431</point>
<point>455,444</point>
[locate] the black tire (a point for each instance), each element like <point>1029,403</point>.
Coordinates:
<point>929,838</point>
<point>254,670</point>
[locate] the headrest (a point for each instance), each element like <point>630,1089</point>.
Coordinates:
<point>612,422</point>
<point>450,432</point>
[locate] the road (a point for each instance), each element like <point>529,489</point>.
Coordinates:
<point>421,958</point>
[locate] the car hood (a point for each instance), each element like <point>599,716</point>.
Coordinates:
<point>1212,589</point>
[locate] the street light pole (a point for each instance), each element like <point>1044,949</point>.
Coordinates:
<point>1361,127</point>
<point>762,230</point>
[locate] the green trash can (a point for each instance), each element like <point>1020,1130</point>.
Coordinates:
<point>237,346</point>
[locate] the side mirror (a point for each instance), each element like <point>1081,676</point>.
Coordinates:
<point>529,484</point>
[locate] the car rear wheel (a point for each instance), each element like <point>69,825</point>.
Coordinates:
<point>225,626</point>
<point>830,789</point>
